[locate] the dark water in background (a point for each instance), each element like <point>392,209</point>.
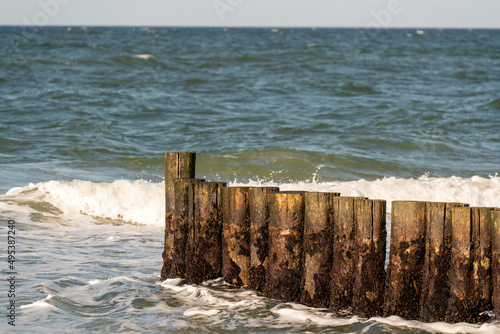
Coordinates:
<point>373,113</point>
<point>250,101</point>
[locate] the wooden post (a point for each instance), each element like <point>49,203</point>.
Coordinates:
<point>259,235</point>
<point>177,230</point>
<point>236,235</point>
<point>495,263</point>
<point>435,282</point>
<point>204,245</point>
<point>371,234</point>
<point>461,247</point>
<point>286,229</point>
<point>406,260</point>
<point>177,165</point>
<point>317,259</point>
<point>344,254</point>
<point>470,283</point>
<point>481,261</point>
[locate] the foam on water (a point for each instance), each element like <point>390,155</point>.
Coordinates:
<point>144,56</point>
<point>476,191</point>
<point>131,201</point>
<point>215,301</point>
<point>440,327</point>
<point>296,313</point>
<point>40,304</point>
<point>228,298</point>
<point>142,202</point>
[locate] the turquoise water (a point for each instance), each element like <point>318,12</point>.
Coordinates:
<point>87,113</point>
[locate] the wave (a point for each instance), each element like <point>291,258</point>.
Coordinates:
<point>40,304</point>
<point>495,104</point>
<point>143,202</point>
<point>124,200</point>
<point>217,301</point>
<point>476,191</point>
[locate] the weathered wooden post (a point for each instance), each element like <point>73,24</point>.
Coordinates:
<point>435,282</point>
<point>371,234</point>
<point>259,202</point>
<point>481,260</point>
<point>178,228</point>
<point>461,246</point>
<point>344,254</point>
<point>495,263</point>
<point>204,245</point>
<point>317,259</point>
<point>470,285</point>
<point>406,260</point>
<point>177,165</point>
<point>286,229</point>
<point>236,235</point>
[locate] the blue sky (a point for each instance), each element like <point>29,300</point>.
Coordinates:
<point>269,13</point>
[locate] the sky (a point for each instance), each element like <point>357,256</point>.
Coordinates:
<point>267,13</point>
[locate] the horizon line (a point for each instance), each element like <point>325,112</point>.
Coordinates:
<point>244,27</point>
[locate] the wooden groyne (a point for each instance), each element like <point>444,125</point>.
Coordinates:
<point>326,250</point>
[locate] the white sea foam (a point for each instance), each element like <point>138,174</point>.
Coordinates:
<point>144,56</point>
<point>132,201</point>
<point>143,202</point>
<point>476,191</point>
<point>234,299</point>
<point>296,313</point>
<point>440,327</point>
<point>200,311</point>
<point>40,303</point>
<point>211,299</point>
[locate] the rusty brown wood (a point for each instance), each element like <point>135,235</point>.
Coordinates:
<point>204,244</point>
<point>495,263</point>
<point>344,254</point>
<point>259,201</point>
<point>177,165</point>
<point>435,283</point>
<point>371,233</point>
<point>236,235</point>
<point>461,264</point>
<point>406,259</point>
<point>176,230</point>
<point>481,288</point>
<point>317,258</point>
<point>286,229</point>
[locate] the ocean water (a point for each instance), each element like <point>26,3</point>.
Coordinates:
<point>87,113</point>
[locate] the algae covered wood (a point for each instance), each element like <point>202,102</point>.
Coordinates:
<point>204,245</point>
<point>177,230</point>
<point>317,259</point>
<point>236,235</point>
<point>436,285</point>
<point>495,260</point>
<point>461,261</point>
<point>177,165</point>
<point>481,288</point>
<point>470,272</point>
<point>259,201</point>
<point>371,233</point>
<point>286,229</point>
<point>406,259</point>
<point>344,254</point>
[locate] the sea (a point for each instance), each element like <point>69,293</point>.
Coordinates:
<point>87,113</point>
